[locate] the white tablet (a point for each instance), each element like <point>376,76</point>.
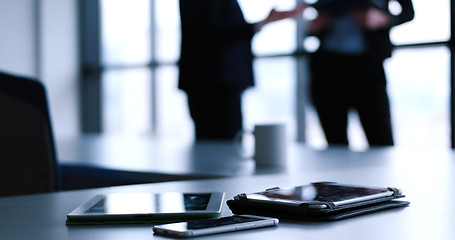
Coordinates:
<point>147,207</point>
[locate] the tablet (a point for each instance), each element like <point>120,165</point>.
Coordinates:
<point>147,207</point>
<point>321,201</point>
<point>319,195</point>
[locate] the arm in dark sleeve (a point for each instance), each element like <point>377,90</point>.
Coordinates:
<point>214,20</point>
<point>226,23</point>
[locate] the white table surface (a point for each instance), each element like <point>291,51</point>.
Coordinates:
<point>145,154</point>
<point>426,176</point>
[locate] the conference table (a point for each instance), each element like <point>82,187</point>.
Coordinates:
<point>96,160</point>
<point>425,175</point>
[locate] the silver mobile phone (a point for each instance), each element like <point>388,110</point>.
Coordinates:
<point>211,226</point>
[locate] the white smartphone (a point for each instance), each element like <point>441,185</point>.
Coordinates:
<point>211,226</point>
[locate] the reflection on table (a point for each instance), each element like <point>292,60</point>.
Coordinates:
<point>99,160</point>
<point>425,175</point>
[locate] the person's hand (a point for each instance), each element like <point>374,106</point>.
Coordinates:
<point>275,15</point>
<point>321,22</point>
<point>371,19</point>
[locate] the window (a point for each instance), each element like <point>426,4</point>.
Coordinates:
<point>140,45</point>
<point>125,32</point>
<point>431,23</point>
<point>419,90</point>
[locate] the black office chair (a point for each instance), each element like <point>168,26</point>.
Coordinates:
<point>27,152</point>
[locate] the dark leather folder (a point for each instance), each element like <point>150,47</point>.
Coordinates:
<point>309,210</point>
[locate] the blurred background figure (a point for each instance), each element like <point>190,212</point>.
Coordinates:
<point>347,70</point>
<point>216,63</point>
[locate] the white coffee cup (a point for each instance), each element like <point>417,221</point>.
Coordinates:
<point>270,145</point>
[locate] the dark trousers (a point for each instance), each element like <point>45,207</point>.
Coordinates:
<point>216,113</point>
<point>340,83</point>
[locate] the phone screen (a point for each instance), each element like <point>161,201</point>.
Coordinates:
<point>210,226</point>
<point>219,222</point>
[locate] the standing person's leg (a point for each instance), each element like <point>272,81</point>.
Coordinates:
<point>216,113</point>
<point>373,105</point>
<point>199,104</point>
<point>333,119</point>
<point>229,119</point>
<point>329,96</point>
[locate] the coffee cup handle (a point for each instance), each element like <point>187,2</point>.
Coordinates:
<point>238,147</point>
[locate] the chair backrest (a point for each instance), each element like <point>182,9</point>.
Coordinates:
<point>27,151</point>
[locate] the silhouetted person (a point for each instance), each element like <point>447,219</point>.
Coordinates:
<point>347,70</point>
<point>216,63</point>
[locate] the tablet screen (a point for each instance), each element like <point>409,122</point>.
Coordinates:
<point>150,203</point>
<point>323,192</point>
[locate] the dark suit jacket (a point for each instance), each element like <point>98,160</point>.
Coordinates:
<point>378,41</point>
<point>215,47</point>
